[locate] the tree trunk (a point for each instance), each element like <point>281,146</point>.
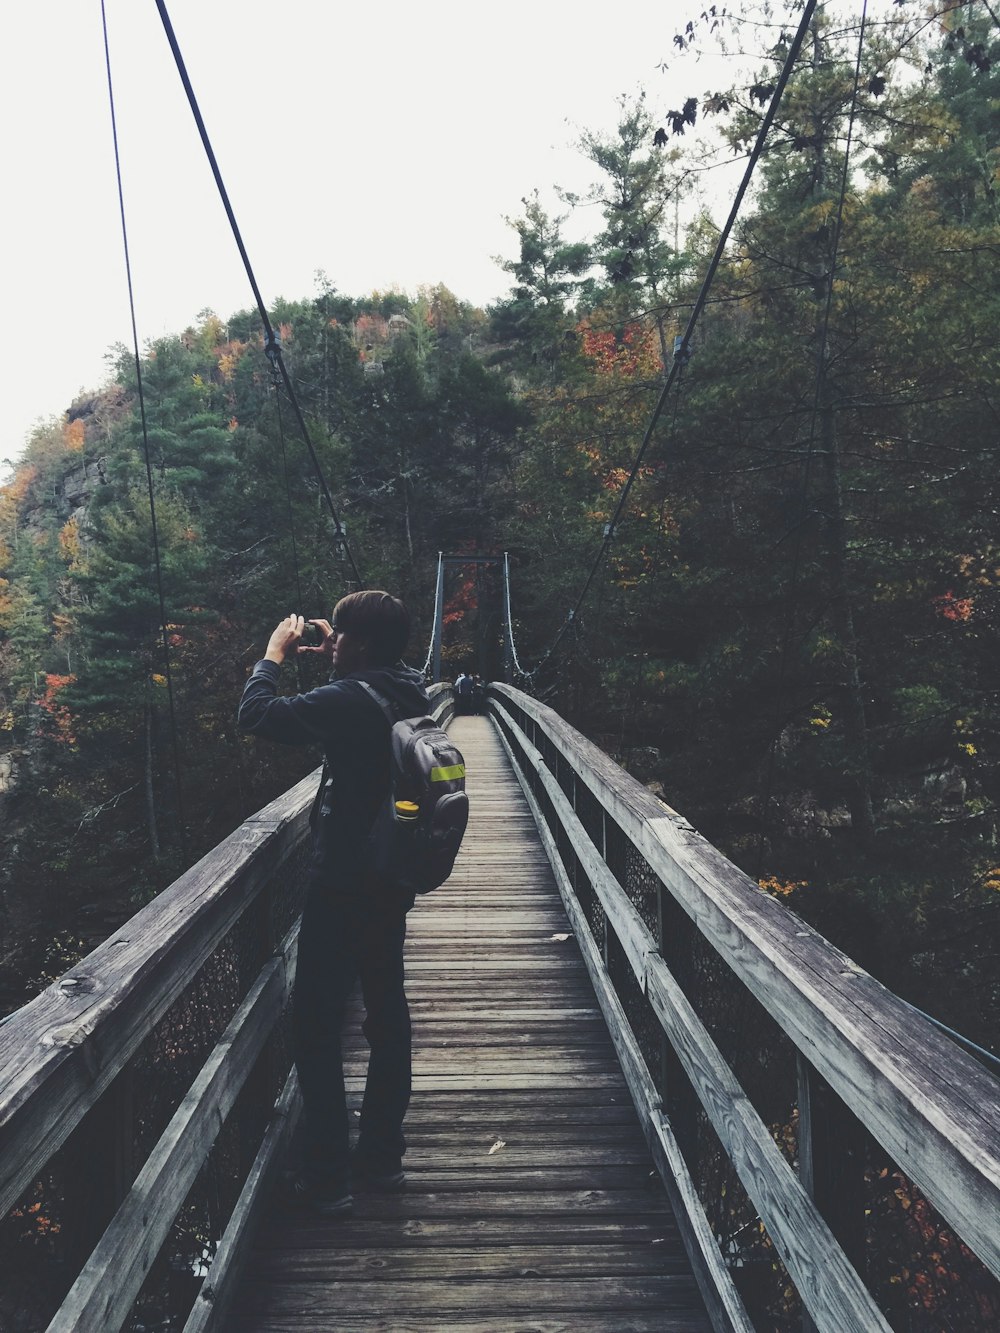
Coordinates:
<point>406,517</point>
<point>853,708</point>
<point>858,768</point>
<point>154,839</point>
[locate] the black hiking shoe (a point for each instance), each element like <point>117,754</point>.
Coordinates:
<point>303,1192</point>
<point>373,1174</point>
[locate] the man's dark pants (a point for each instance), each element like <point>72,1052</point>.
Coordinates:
<point>343,938</point>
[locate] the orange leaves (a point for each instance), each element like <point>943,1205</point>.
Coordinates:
<point>370,331</point>
<point>779,888</point>
<point>55,683</point>
<point>634,355</point>
<point>73,435</point>
<point>36,1219</point>
<point>23,477</point>
<point>58,717</point>
<point>462,602</point>
<point>69,541</point>
<point>929,1262</point>
<point>953,608</point>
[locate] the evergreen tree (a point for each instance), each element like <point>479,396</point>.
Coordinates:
<point>548,273</point>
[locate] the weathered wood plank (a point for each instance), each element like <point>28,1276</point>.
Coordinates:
<point>541,1131</point>
<point>486,1172</point>
<point>444,1299</point>
<point>492,1232</point>
<point>632,1321</point>
<point>443,1114</point>
<point>487,1201</point>
<point>514,1079</point>
<point>627,1321</point>
<point>459,1262</point>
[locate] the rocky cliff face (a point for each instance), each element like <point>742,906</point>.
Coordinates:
<point>62,470</point>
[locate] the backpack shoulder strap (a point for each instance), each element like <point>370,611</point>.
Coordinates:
<point>383,703</point>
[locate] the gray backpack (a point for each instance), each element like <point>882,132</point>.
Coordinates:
<point>420,826</point>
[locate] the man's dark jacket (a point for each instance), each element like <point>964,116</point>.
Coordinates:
<point>354,735</point>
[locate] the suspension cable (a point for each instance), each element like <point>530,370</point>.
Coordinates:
<point>682,349</point>
<point>980,1052</point>
<point>272,345</point>
<point>438,585</point>
<point>157,563</point>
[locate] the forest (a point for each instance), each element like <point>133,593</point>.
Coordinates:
<point>793,635</point>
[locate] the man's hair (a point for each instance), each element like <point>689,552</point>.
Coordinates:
<point>378,618</point>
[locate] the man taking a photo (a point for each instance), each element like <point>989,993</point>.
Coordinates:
<point>352,926</point>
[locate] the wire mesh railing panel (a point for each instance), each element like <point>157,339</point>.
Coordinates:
<point>641,1016</point>
<point>593,911</point>
<point>760,1277</point>
<point>564,776</point>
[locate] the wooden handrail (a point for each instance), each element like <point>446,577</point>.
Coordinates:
<point>62,1050</point>
<point>932,1106</point>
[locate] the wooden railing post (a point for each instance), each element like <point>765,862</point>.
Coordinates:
<point>832,1149</point>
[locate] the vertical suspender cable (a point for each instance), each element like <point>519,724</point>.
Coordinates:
<point>510,624</point>
<point>435,634</point>
<point>145,446</point>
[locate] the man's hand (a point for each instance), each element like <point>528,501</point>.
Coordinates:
<point>326,647</point>
<point>284,639</point>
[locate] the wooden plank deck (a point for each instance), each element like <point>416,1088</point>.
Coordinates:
<point>563,1227</point>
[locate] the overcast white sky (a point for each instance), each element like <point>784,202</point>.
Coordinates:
<point>383,143</point>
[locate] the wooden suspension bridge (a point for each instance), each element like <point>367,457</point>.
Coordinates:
<point>645,1096</point>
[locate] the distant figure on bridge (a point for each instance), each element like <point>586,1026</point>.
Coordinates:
<point>464,688</point>
<point>351,925</point>
<point>478,694</point>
